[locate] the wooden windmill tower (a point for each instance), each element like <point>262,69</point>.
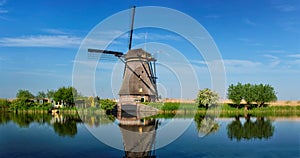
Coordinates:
<point>139,77</point>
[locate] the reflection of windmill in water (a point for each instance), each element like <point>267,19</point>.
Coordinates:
<point>139,137</point>
<point>139,85</point>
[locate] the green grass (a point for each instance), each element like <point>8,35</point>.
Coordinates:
<point>168,106</point>
<point>262,111</point>
<point>226,110</point>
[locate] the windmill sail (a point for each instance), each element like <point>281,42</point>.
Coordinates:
<point>131,29</point>
<point>115,53</point>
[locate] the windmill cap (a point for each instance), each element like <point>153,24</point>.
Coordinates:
<point>139,54</point>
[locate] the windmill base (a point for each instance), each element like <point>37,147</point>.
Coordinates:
<point>137,98</point>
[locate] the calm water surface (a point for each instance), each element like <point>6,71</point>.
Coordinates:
<point>28,135</point>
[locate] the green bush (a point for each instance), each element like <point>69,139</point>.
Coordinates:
<point>206,98</point>
<point>107,104</point>
<point>4,103</point>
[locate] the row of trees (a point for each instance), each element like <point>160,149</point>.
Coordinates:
<point>65,95</point>
<point>258,93</point>
<point>68,96</point>
<point>26,94</point>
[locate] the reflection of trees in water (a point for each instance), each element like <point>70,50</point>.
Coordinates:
<point>205,124</point>
<point>96,119</point>
<point>64,125</point>
<point>258,129</point>
<point>67,125</point>
<point>23,120</point>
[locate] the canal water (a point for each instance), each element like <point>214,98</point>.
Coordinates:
<point>46,135</point>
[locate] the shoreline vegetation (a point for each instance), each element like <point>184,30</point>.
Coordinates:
<point>178,109</point>
<point>245,99</point>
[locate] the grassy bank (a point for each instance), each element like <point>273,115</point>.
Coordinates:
<point>263,111</point>
<point>225,110</point>
<point>180,110</point>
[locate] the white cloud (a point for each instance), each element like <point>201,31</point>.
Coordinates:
<point>286,8</point>
<point>269,64</point>
<point>55,31</point>
<point>2,2</point>
<point>231,65</point>
<point>249,42</point>
<point>139,36</point>
<point>275,51</point>
<point>212,16</point>
<point>275,63</point>
<point>200,62</point>
<point>274,60</point>
<point>244,39</point>
<point>2,11</point>
<point>240,63</point>
<point>39,72</point>
<point>93,63</point>
<point>250,22</point>
<point>271,56</point>
<point>294,55</point>
<point>152,36</point>
<point>118,40</point>
<point>61,41</point>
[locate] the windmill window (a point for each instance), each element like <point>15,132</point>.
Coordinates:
<point>140,90</point>
<point>142,71</point>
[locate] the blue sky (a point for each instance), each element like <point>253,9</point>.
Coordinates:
<point>259,41</point>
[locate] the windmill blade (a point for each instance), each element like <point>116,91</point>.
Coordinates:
<point>131,29</point>
<point>115,53</point>
<point>107,58</point>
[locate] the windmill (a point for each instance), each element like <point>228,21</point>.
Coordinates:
<point>139,76</point>
<point>138,85</point>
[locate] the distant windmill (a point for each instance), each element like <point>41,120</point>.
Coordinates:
<point>139,76</point>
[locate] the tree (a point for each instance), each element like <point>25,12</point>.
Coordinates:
<point>206,98</point>
<point>236,93</point>
<point>4,103</point>
<point>50,93</point>
<point>107,104</point>
<point>263,94</point>
<point>22,101</point>
<point>24,95</point>
<point>249,93</point>
<point>41,95</point>
<point>66,94</point>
